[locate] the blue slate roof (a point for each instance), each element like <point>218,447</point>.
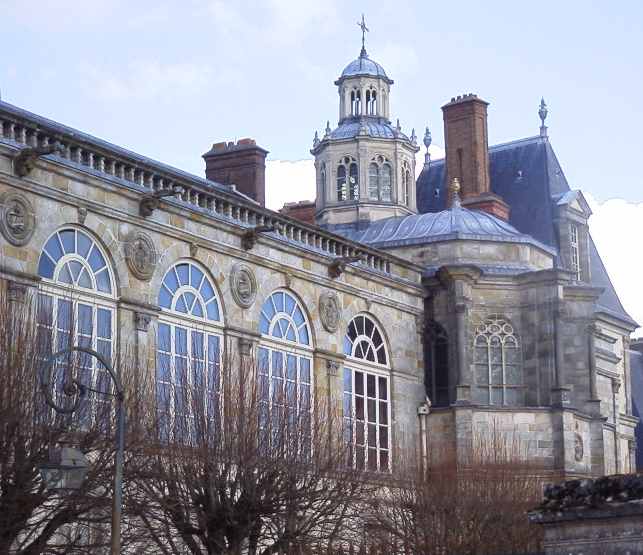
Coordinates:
<point>456,223</point>
<point>350,128</point>
<point>363,65</point>
<point>528,177</point>
<point>636,380</point>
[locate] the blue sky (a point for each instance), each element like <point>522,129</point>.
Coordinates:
<point>168,78</point>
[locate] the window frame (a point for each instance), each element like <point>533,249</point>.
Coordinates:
<point>574,244</point>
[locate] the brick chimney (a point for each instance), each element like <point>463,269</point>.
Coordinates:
<point>304,211</point>
<point>467,154</point>
<point>242,163</point>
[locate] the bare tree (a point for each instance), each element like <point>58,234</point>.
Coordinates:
<point>234,471</point>
<point>471,504</point>
<point>34,519</point>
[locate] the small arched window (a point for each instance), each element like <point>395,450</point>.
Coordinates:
<point>407,182</point>
<point>367,407</point>
<point>322,180</point>
<point>188,354</point>
<point>498,363</point>
<point>373,181</point>
<point>437,365</point>
<point>347,179</point>
<point>77,307</point>
<point>356,99</point>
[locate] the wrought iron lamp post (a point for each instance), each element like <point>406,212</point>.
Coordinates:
<point>67,466</point>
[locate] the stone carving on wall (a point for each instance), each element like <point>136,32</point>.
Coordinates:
<point>579,450</point>
<point>243,285</point>
<point>329,311</point>
<point>140,255</point>
<point>17,218</point>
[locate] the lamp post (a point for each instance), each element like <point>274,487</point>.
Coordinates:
<point>67,466</point>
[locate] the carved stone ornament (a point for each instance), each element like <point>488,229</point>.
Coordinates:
<point>579,451</point>
<point>329,311</point>
<point>243,285</point>
<point>142,321</point>
<point>17,218</point>
<point>140,255</point>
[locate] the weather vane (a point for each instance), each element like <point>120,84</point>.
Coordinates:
<point>365,29</point>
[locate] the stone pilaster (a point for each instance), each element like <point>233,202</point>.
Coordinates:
<point>560,391</point>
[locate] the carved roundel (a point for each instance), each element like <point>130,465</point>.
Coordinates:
<point>243,285</point>
<point>17,218</point>
<point>329,311</point>
<point>140,255</point>
<point>579,450</point>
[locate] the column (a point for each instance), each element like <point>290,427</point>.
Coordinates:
<point>594,403</point>
<point>560,392</point>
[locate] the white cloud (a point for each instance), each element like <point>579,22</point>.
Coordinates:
<point>617,228</point>
<point>289,181</point>
<point>147,79</point>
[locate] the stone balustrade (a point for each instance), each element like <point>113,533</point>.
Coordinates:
<point>20,129</point>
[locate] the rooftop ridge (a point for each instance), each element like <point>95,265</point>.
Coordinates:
<point>81,151</point>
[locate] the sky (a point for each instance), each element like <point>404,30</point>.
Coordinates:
<point>169,78</point>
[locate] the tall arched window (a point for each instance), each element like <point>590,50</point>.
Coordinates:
<point>498,364</point>
<point>407,182</point>
<point>380,179</point>
<point>188,350</point>
<point>322,180</point>
<point>356,99</point>
<point>367,407</point>
<point>347,179</point>
<point>437,365</point>
<point>77,305</point>
<point>284,360</point>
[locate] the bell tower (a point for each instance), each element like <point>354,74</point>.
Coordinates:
<point>365,167</point>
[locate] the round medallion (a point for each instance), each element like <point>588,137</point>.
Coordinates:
<point>329,311</point>
<point>140,255</point>
<point>17,218</point>
<point>579,451</point>
<point>243,285</point>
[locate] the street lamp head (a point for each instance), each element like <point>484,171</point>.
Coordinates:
<point>65,470</point>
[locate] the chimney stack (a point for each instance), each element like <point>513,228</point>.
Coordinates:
<point>467,154</point>
<point>242,163</point>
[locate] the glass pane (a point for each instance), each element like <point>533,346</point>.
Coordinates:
<point>481,395</point>
<point>513,375</point>
<point>372,435</point>
<point>348,404</point>
<point>298,317</point>
<point>359,408</point>
<point>180,305</point>
<point>164,337</point>
<point>304,370</point>
<point>68,239</point>
<point>103,282</point>
<point>277,363</point>
<point>348,346</point>
<point>291,367</point>
<point>206,290</point>
<point>482,374</point>
<point>513,396</point>
<point>45,310</point>
<point>189,298</point>
<point>196,277</point>
<point>197,345</point>
<point>303,335</point>
<point>278,299</point>
<point>370,385</point>
<point>383,388</point>
<point>304,396</point>
<point>290,331</point>
<point>372,460</point>
<point>383,412</point>
<point>384,460</point>
<point>384,437</point>
<point>213,348</point>
<point>197,309</point>
<point>264,325</point>
<point>96,260</point>
<point>54,249</point>
<point>84,279</point>
<point>45,267</point>
<point>372,412</point>
<point>83,244</point>
<point>171,281</point>
<point>85,319</point>
<point>180,341</point>
<point>182,271</point>
<point>359,383</point>
<point>496,396</point>
<point>64,319</point>
<point>65,275</point>
<point>213,310</point>
<point>289,304</point>
<point>496,374</point>
<point>348,380</point>
<point>104,323</point>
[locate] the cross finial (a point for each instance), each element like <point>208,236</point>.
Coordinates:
<point>365,29</point>
<point>542,113</point>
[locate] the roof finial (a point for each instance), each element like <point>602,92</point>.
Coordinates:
<point>542,113</point>
<point>327,130</point>
<point>365,29</point>
<point>414,138</point>
<point>316,140</point>
<point>454,189</point>
<point>427,143</point>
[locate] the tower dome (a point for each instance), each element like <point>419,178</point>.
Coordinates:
<point>363,66</point>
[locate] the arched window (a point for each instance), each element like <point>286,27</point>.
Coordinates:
<point>367,407</point>
<point>77,306</point>
<point>373,103</point>
<point>322,180</point>
<point>368,102</point>
<point>356,99</point>
<point>498,365</point>
<point>437,365</point>
<point>380,179</point>
<point>284,361</point>
<point>407,182</point>
<point>347,179</point>
<point>188,350</point>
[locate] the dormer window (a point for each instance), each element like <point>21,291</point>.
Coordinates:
<point>347,179</point>
<point>575,252</point>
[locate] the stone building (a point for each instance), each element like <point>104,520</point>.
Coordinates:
<point>477,287</point>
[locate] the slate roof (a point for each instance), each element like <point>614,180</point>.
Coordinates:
<point>417,229</point>
<point>374,127</point>
<point>528,177</point>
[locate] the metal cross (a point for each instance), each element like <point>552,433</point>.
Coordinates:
<point>364,28</point>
